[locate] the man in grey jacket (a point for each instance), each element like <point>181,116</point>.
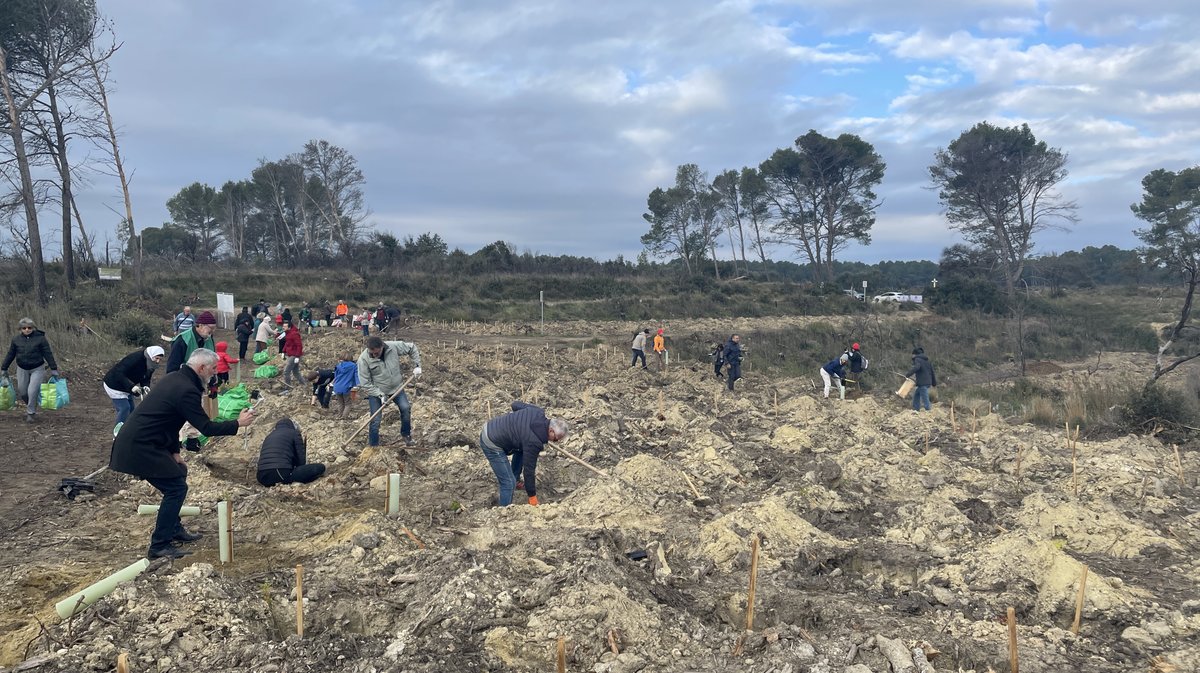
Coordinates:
<point>381,375</point>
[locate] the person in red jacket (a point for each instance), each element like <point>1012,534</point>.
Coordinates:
<point>293,349</point>
<point>223,363</point>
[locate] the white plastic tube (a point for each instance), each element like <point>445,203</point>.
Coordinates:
<point>186,510</point>
<point>224,535</point>
<point>393,503</point>
<point>77,601</point>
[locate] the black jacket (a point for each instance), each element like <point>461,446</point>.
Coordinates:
<point>324,378</point>
<point>283,449</point>
<point>150,436</point>
<point>244,330</point>
<point>30,351</point>
<point>133,370</point>
<point>732,353</point>
<point>922,371</point>
<point>856,361</point>
<point>244,317</point>
<point>527,430</point>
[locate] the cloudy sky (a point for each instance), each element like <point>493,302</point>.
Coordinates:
<point>546,123</point>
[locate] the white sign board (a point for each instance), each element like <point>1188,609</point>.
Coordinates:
<point>225,309</point>
<point>110,273</point>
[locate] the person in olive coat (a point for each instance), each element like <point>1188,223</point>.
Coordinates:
<point>147,445</point>
<point>283,457</point>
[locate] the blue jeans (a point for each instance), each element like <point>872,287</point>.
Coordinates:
<point>405,408</point>
<point>638,353</point>
<point>124,408</point>
<point>174,490</point>
<point>506,473</point>
<point>921,393</point>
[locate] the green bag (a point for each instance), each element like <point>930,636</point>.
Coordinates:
<point>266,372</point>
<point>231,402</point>
<point>54,394</point>
<point>261,357</point>
<point>6,394</point>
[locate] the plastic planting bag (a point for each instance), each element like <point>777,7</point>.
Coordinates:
<point>6,394</point>
<point>231,402</point>
<point>266,372</point>
<point>261,357</point>
<point>54,393</point>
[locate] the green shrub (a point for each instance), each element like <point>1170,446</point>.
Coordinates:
<point>136,329</point>
<point>95,302</point>
<point>1157,404</point>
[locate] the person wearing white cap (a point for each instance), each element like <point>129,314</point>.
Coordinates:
<point>130,378</point>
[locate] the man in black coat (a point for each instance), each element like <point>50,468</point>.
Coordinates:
<point>148,444</point>
<point>521,434</point>
<point>282,459</point>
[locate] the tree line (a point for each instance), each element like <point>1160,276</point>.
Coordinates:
<point>998,187</point>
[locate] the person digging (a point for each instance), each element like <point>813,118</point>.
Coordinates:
<point>522,434</point>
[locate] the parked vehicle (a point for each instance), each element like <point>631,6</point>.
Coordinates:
<point>853,293</point>
<point>896,297</point>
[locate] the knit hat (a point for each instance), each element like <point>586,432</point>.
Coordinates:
<point>206,318</point>
<point>154,352</point>
<point>855,347</point>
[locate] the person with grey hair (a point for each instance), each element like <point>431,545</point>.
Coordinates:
<point>283,458</point>
<point>185,320</point>
<point>522,434</point>
<point>32,353</point>
<point>147,445</point>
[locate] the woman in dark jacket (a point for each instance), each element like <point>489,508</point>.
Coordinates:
<point>282,457</point>
<point>130,378</point>
<point>32,352</point>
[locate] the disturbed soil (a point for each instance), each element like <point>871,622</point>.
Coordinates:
<point>878,530</point>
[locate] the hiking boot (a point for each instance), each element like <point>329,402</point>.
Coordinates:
<point>29,418</point>
<point>408,441</point>
<point>166,551</point>
<point>184,536</point>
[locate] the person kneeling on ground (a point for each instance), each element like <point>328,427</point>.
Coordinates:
<point>521,434</point>
<point>282,459</point>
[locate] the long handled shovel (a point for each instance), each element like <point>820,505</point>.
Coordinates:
<point>379,410</point>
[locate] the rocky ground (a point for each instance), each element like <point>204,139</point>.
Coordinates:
<point>879,531</point>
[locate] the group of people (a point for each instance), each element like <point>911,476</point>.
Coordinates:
<point>147,444</point>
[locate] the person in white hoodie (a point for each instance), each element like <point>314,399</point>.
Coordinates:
<point>264,333</point>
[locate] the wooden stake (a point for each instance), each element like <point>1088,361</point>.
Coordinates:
<point>1067,429</point>
<point>1079,601</point>
<point>776,404</point>
<point>1012,640</point>
<point>691,485</point>
<point>123,662</point>
<point>1178,463</point>
<point>953,423</point>
<point>562,655</point>
<point>1074,478</point>
<point>660,403</point>
<point>1019,455</point>
<point>753,583</point>
<point>974,420</point>
<point>926,440</point>
<point>414,538</point>
<point>300,600</point>
<point>612,641</point>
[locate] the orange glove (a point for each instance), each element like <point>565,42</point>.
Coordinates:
<point>533,500</point>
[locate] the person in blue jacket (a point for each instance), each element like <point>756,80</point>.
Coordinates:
<point>833,372</point>
<point>345,379</point>
<point>732,355</point>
